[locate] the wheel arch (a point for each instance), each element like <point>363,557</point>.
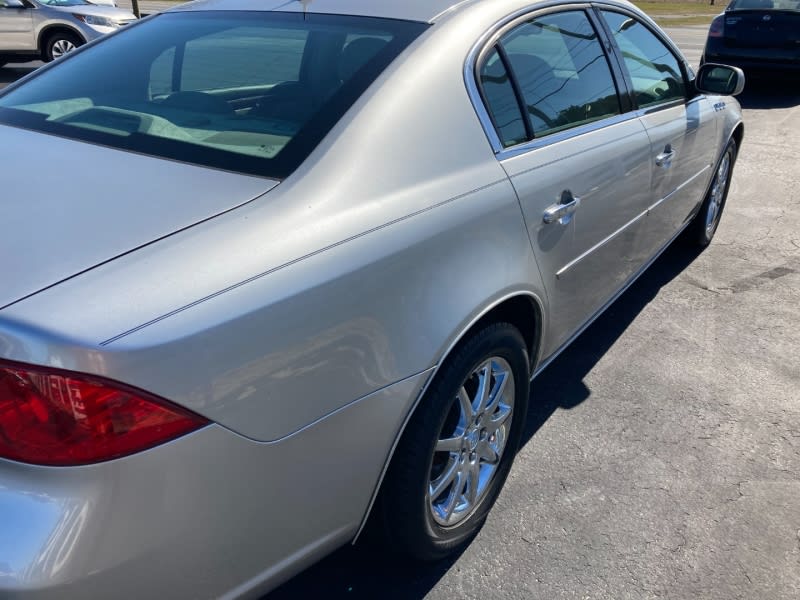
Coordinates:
<point>524,310</point>
<point>738,135</point>
<point>49,30</point>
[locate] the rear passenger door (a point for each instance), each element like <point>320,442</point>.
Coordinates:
<point>682,131</point>
<point>576,154</point>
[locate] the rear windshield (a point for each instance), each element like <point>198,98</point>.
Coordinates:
<point>765,5</point>
<point>252,92</point>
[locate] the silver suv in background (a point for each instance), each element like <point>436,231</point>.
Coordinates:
<point>48,29</point>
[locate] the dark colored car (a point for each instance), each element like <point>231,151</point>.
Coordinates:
<point>757,36</point>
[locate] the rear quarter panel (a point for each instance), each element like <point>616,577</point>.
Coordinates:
<point>359,270</point>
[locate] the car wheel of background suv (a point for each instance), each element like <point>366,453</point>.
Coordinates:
<point>60,43</point>
<point>457,449</point>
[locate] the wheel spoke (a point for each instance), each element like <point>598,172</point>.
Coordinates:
<point>723,169</point>
<point>497,394</point>
<point>498,419</point>
<point>487,453</point>
<point>467,414</point>
<point>472,483</point>
<point>456,493</point>
<point>484,388</point>
<point>439,485</point>
<point>452,444</point>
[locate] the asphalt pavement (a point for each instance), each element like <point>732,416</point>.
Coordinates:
<point>662,453</point>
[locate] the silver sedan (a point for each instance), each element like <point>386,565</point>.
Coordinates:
<point>289,273</point>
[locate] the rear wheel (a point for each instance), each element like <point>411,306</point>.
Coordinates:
<point>59,44</point>
<point>457,449</point>
<point>705,223</point>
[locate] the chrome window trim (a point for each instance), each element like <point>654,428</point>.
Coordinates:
<point>555,138</point>
<point>484,45</point>
<point>649,110</point>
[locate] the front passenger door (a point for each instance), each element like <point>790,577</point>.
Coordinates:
<point>682,133</point>
<point>16,27</point>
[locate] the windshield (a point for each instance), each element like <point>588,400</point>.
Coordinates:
<point>792,5</point>
<point>62,2</point>
<point>252,92</point>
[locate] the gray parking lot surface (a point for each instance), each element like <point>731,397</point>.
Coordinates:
<point>662,452</point>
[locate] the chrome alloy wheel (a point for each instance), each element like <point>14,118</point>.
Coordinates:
<point>717,196</point>
<point>62,47</point>
<point>471,442</point>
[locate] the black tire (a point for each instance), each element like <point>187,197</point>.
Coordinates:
<point>49,52</point>
<point>702,228</point>
<point>404,510</point>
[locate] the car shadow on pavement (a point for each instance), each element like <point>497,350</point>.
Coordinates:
<point>560,385</point>
<point>11,73</point>
<point>362,571</point>
<point>771,92</point>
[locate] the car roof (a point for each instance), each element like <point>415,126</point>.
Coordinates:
<point>411,10</point>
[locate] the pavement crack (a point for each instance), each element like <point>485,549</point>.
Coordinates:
<point>681,544</point>
<point>754,281</point>
<point>739,491</point>
<point>699,284</point>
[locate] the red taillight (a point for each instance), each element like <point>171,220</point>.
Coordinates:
<point>717,28</point>
<point>54,417</point>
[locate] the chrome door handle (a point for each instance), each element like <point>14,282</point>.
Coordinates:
<point>665,158</point>
<point>563,211</point>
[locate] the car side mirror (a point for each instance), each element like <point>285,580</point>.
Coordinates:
<point>720,79</point>
<point>14,4</point>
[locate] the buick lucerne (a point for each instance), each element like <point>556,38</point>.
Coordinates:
<point>290,272</point>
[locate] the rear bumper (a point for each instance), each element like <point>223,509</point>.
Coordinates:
<point>749,65</point>
<point>210,515</point>
<point>752,59</point>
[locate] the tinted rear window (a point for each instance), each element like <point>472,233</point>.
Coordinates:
<point>793,5</point>
<point>252,92</point>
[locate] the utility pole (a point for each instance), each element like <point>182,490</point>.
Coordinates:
<point>136,10</point>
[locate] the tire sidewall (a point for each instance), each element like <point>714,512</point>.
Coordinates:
<point>703,235</point>
<point>501,340</point>
<point>51,41</point>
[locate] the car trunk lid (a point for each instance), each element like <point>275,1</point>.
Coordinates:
<point>68,206</point>
<point>762,29</point>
